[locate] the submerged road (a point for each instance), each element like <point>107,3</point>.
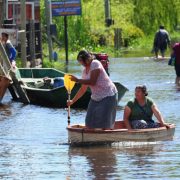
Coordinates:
<point>33,139</point>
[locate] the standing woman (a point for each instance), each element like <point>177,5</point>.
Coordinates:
<point>176,52</point>
<point>101,112</point>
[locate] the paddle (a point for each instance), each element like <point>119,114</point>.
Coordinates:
<point>69,86</point>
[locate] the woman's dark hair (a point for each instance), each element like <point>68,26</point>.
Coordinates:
<point>83,55</point>
<point>5,34</point>
<point>143,89</point>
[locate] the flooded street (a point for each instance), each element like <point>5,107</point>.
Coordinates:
<point>33,139</point>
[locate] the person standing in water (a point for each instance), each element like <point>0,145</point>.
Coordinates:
<point>176,52</point>
<point>161,41</point>
<point>101,112</point>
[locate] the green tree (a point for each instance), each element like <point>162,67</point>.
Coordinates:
<point>148,15</point>
<point>134,17</point>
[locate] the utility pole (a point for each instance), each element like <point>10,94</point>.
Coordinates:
<point>107,9</point>
<point>66,38</point>
<point>32,42</point>
<point>23,33</point>
<point>48,22</point>
<point>108,20</point>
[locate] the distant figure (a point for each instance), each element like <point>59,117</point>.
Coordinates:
<point>161,41</point>
<point>10,50</point>
<point>176,51</point>
<point>139,111</point>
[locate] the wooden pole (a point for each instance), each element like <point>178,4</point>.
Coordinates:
<point>107,9</point>
<point>32,43</point>
<point>2,8</point>
<point>69,109</point>
<point>66,38</point>
<point>108,19</point>
<point>117,38</point>
<point>48,22</point>
<point>23,33</point>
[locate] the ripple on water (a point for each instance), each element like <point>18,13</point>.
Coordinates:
<point>33,139</point>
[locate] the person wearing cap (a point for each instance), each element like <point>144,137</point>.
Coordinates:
<point>101,112</point>
<point>139,111</point>
<point>161,41</point>
<point>9,48</point>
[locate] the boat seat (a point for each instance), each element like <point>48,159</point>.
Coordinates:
<point>39,84</point>
<point>119,125</point>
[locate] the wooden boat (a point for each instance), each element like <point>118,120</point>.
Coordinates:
<point>80,135</point>
<point>40,89</point>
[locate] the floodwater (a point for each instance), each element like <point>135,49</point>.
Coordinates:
<point>33,139</point>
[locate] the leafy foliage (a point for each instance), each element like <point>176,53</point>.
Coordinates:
<point>148,15</point>
<point>136,18</point>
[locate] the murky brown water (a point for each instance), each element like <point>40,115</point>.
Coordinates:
<point>33,139</point>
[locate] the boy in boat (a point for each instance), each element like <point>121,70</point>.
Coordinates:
<point>9,48</point>
<point>139,111</point>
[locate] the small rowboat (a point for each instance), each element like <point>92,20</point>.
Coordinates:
<point>80,135</point>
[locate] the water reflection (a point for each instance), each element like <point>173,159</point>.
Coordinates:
<point>114,161</point>
<point>102,161</point>
<point>5,111</point>
<point>178,88</point>
<point>33,138</point>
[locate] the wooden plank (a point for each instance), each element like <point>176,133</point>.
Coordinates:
<point>6,66</point>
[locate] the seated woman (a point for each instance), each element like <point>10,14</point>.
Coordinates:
<point>139,111</point>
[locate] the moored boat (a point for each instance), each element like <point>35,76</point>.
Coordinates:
<point>80,135</point>
<point>41,88</point>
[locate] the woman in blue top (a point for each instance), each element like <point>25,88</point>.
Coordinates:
<point>139,111</point>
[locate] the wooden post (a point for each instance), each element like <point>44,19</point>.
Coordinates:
<point>32,43</point>
<point>66,38</point>
<point>107,9</point>
<point>117,38</point>
<point>2,8</point>
<point>16,86</point>
<point>108,20</point>
<point>23,33</point>
<point>48,22</point>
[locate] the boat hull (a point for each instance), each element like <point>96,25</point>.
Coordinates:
<point>79,135</point>
<point>56,97</point>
